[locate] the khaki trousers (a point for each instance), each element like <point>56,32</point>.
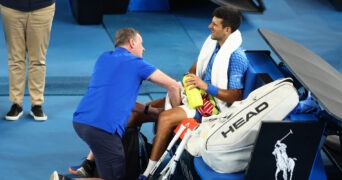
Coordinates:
<point>27,33</point>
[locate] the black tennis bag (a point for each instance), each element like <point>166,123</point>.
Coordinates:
<point>137,152</point>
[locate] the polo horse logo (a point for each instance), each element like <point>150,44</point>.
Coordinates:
<point>283,162</point>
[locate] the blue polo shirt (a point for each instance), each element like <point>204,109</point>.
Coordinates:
<point>113,90</point>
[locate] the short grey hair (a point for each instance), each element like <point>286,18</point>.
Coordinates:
<point>123,35</point>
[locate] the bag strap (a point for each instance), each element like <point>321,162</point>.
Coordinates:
<point>142,147</point>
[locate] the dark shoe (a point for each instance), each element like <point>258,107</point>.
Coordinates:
<point>15,113</point>
<point>82,172</point>
<point>37,113</point>
<point>56,176</point>
<point>87,169</point>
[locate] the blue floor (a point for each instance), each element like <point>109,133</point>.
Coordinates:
<point>32,150</point>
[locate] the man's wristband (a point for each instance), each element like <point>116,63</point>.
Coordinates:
<point>146,109</point>
<point>212,90</point>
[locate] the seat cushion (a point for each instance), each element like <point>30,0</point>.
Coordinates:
<point>249,81</point>
<point>205,172</point>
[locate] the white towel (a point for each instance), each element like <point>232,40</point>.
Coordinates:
<point>219,71</point>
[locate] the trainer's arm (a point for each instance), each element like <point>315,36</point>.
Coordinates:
<point>168,83</point>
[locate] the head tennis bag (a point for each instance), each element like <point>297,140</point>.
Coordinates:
<point>225,141</point>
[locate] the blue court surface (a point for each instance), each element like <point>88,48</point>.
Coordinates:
<point>172,39</point>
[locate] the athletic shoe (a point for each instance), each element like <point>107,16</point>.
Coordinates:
<point>56,176</point>
<point>87,169</point>
<point>15,112</point>
<point>37,113</point>
<point>73,169</point>
<point>82,172</point>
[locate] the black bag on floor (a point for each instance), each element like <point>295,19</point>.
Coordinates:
<point>137,152</point>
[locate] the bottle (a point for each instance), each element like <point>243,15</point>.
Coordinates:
<point>194,95</point>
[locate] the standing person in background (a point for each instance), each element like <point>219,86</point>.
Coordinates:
<point>27,26</point>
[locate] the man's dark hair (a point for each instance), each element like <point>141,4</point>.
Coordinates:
<point>123,35</point>
<point>231,17</point>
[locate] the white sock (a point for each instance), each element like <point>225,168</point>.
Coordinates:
<point>149,168</point>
